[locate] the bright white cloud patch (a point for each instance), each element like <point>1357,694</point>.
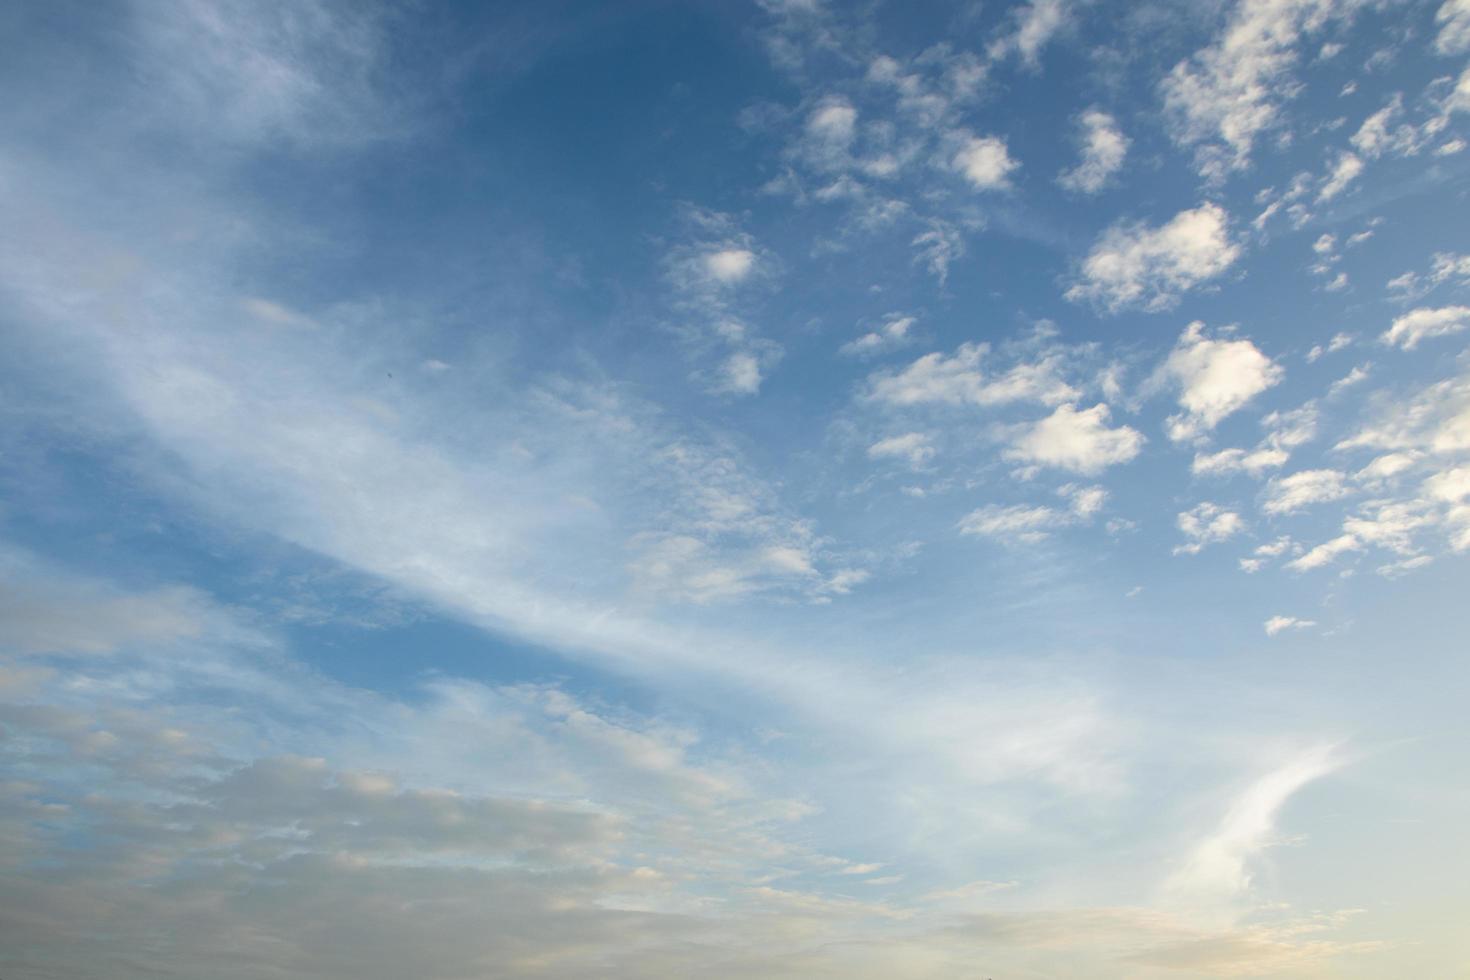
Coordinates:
<point>1453,21</point>
<point>1075,440</point>
<point>1279,624</point>
<point>1422,324</point>
<point>1103,149</point>
<point>960,379</point>
<point>1347,169</point>
<point>1215,378</point>
<point>893,333</point>
<point>1222,99</point>
<point>1036,23</point>
<point>1290,493</point>
<point>913,448</point>
<point>729,265</point>
<point>1204,524</point>
<point>1228,461</point>
<point>985,162</point>
<point>1151,267</point>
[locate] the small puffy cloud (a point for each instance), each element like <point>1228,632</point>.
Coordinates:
<point>1204,524</point>
<point>1416,325</point>
<point>1227,94</point>
<point>1436,421</point>
<point>1018,522</point>
<point>833,121</point>
<point>985,162</point>
<point>1103,149</point>
<point>1291,493</point>
<point>1453,21</point>
<point>1036,23</point>
<point>1278,624</point>
<point>913,448</point>
<point>1149,268</point>
<point>1356,376</point>
<point>1228,461</point>
<point>1215,377</point>
<point>1077,440</point>
<point>1028,523</point>
<point>960,380</point>
<point>893,333</point>
<point>1386,467</point>
<point>939,247</point>
<point>729,265</point>
<point>1450,486</point>
<point>1337,343</point>
<point>1347,170</point>
<point>740,374</point>
<point>1325,554</point>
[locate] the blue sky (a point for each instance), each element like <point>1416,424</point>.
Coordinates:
<point>774,489</point>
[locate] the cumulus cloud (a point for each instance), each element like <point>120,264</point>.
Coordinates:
<point>1077,440</point>
<point>1290,493</point>
<point>960,379</point>
<point>1347,169</point>
<point>1204,524</point>
<point>729,265</point>
<point>1215,377</point>
<point>1424,323</point>
<point>985,162</point>
<point>1103,149</point>
<point>893,333</point>
<point>1325,553</point>
<point>1036,24</point>
<point>1278,624</point>
<point>1453,20</point>
<point>1224,97</point>
<point>1137,266</point>
<point>1228,461</point>
<point>1029,523</point>
<point>914,448</point>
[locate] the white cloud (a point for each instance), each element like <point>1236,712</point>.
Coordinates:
<point>740,374</point>
<point>1139,266</point>
<point>1029,523</point>
<point>1036,24</point>
<point>1278,624</point>
<point>893,333</point>
<point>1290,493</point>
<point>833,121</point>
<point>1219,868</point>
<point>1449,486</point>
<point>1387,466</point>
<point>729,265</point>
<point>1215,378</point>
<point>960,380</point>
<point>939,247</point>
<point>1435,420</point>
<point>1076,440</point>
<point>1423,323</point>
<point>1103,149</point>
<point>1019,522</point>
<point>1228,461</point>
<point>1325,553</point>
<point>1225,96</point>
<point>1453,18</point>
<point>1356,376</point>
<point>1348,168</point>
<point>914,448</point>
<point>985,162</point>
<point>1204,524</point>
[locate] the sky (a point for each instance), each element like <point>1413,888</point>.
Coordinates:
<point>740,489</point>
